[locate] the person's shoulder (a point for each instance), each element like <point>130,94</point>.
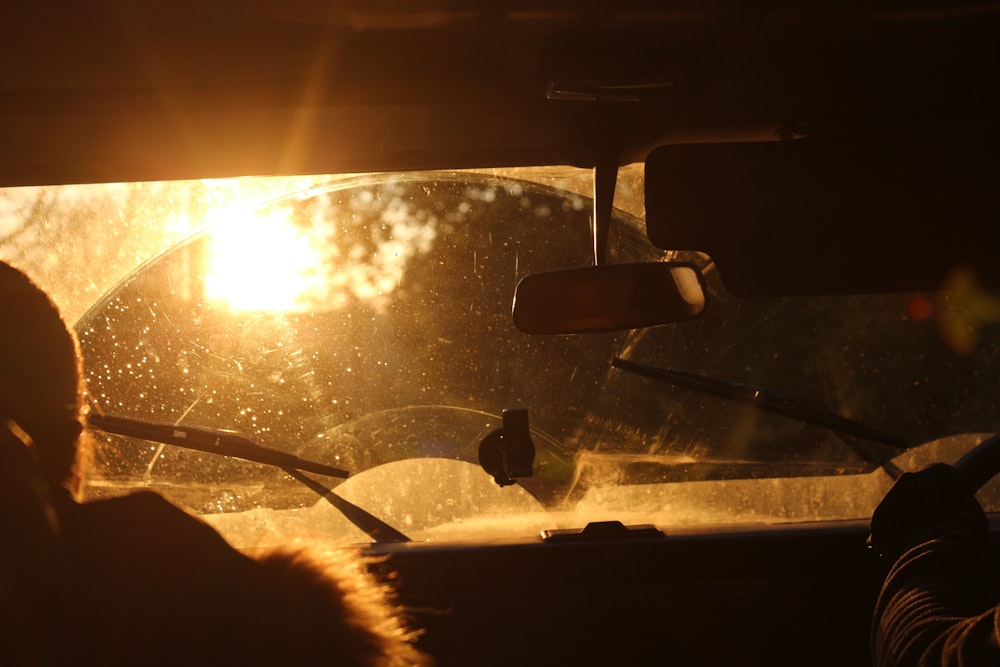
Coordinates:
<point>148,518</point>
<point>140,506</point>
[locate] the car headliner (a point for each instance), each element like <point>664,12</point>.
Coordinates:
<point>115,90</point>
<point>123,90</point>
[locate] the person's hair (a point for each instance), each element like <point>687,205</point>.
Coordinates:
<point>41,379</point>
<point>334,610</point>
<point>331,611</point>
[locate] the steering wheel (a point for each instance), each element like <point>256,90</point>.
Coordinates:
<point>980,464</point>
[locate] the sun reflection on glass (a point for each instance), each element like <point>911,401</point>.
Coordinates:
<point>262,262</point>
<point>313,251</point>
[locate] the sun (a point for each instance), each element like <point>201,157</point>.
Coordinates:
<point>261,261</point>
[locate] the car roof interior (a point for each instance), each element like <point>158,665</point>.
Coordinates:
<point>115,90</point>
<point>118,90</point>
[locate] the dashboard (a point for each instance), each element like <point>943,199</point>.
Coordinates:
<point>755,595</point>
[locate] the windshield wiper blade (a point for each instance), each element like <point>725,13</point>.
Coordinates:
<point>374,527</point>
<point>211,441</point>
<point>763,399</point>
<point>229,444</point>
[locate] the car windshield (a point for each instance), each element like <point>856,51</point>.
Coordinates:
<point>359,329</point>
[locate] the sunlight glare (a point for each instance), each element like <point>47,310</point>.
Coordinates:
<point>260,262</point>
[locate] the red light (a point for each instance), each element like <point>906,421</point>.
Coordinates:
<point>920,308</point>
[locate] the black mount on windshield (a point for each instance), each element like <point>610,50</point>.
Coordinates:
<point>508,453</point>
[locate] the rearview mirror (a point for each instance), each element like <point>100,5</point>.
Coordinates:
<point>610,297</point>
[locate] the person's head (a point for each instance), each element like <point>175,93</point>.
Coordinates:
<point>41,388</point>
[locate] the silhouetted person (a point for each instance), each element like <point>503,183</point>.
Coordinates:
<point>136,580</point>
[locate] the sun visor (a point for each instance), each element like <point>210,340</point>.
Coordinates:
<point>840,213</point>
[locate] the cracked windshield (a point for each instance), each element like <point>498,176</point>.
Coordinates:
<point>320,359</point>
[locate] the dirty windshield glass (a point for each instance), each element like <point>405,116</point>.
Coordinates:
<point>365,325</point>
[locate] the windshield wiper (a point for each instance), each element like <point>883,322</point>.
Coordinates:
<point>766,400</point>
<point>200,439</point>
<point>374,527</point>
<point>228,444</point>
